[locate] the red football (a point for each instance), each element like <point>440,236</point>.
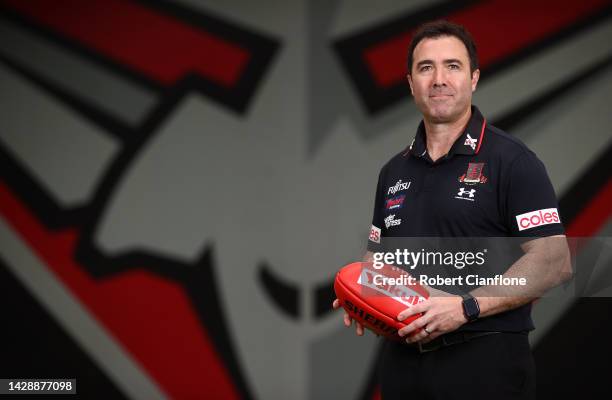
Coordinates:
<point>374,296</point>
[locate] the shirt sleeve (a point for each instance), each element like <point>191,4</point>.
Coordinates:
<point>376,230</point>
<point>531,209</point>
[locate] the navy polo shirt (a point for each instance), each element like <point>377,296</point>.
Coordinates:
<point>488,185</point>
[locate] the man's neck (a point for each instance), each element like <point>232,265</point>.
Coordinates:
<point>441,136</point>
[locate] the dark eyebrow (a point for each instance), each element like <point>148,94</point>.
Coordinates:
<point>453,61</point>
<point>424,62</point>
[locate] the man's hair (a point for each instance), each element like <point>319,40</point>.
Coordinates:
<point>436,29</point>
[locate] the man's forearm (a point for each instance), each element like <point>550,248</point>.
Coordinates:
<point>545,264</point>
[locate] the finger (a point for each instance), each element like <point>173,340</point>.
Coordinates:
<point>431,336</point>
<point>407,330</point>
<point>347,320</point>
<point>359,329</point>
<point>336,304</point>
<point>415,325</point>
<point>417,337</point>
<point>416,309</point>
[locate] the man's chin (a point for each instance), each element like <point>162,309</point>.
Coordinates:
<point>441,117</point>
<point>439,113</point>
<point>443,113</point>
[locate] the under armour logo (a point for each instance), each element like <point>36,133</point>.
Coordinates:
<point>470,192</point>
<point>470,142</point>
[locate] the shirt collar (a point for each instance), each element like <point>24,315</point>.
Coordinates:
<point>468,143</point>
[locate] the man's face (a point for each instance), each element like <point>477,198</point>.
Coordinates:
<point>440,80</point>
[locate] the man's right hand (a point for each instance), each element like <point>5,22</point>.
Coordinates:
<point>347,319</point>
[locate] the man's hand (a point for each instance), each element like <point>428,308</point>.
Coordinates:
<point>347,319</point>
<point>442,313</point>
<point>368,257</point>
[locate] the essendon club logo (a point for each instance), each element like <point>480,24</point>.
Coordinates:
<point>473,174</point>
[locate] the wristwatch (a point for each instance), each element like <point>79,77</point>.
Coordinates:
<point>471,309</point>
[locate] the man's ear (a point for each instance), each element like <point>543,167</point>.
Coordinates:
<point>475,77</point>
<point>410,83</point>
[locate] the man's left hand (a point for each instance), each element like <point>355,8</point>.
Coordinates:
<point>442,313</point>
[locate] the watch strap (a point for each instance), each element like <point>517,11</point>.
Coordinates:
<point>471,308</point>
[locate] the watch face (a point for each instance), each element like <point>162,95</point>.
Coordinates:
<point>471,309</point>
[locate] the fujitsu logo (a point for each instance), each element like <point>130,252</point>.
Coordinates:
<point>398,187</point>
<point>537,218</point>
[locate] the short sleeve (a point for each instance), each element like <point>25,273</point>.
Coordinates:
<point>376,230</point>
<point>531,204</point>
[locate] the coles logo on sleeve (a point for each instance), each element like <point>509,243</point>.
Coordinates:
<point>537,218</point>
<point>375,234</point>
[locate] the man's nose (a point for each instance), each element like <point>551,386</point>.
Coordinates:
<point>439,78</point>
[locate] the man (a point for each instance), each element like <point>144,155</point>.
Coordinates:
<point>462,177</point>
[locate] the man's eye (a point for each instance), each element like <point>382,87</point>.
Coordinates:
<point>425,67</point>
<point>453,66</point>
